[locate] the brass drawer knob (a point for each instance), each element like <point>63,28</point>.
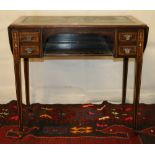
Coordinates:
<point>127,36</point>
<point>127,50</point>
<point>28,38</point>
<point>29,50</point>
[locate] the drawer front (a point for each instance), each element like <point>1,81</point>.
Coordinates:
<point>29,50</point>
<point>127,50</point>
<point>127,36</point>
<point>29,36</point>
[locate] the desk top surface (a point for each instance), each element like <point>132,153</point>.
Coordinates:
<point>77,21</point>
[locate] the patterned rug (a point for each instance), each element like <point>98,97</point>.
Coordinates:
<point>80,123</point>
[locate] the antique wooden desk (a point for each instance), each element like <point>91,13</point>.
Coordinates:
<point>77,37</point>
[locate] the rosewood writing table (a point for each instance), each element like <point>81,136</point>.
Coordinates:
<point>77,37</point>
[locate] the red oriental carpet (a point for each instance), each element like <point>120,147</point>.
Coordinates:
<point>78,124</point>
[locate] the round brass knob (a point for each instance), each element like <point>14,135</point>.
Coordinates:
<point>127,36</point>
<point>29,50</point>
<point>28,38</point>
<point>127,50</point>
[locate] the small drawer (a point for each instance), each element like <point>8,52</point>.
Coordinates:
<point>127,50</point>
<point>30,50</point>
<point>29,36</point>
<point>127,36</point>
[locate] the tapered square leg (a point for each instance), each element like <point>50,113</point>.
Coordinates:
<point>138,71</point>
<point>125,75</point>
<point>17,69</point>
<point>26,74</point>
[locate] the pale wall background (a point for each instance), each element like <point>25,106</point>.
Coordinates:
<point>77,81</point>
